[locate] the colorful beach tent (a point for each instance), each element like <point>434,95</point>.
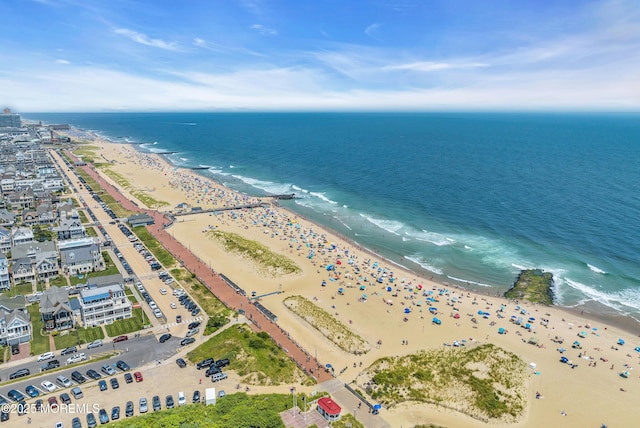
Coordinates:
<point>501,330</point>
<point>436,321</point>
<point>620,342</point>
<point>407,310</point>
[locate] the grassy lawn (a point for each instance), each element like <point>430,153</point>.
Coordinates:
<point>60,281</point>
<point>130,295</point>
<point>86,335</point>
<point>74,280</point>
<point>163,256</point>
<point>106,198</point>
<point>40,286</point>
<point>39,343</point>
<point>69,339</point>
<point>83,217</point>
<point>347,421</point>
<point>20,289</point>
<point>91,232</point>
<point>128,325</point>
<point>254,356</point>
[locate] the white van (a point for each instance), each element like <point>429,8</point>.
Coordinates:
<point>182,400</point>
<point>46,356</point>
<point>218,376</point>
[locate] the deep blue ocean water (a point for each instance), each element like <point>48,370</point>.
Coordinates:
<point>470,198</point>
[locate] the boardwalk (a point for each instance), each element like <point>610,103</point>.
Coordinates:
<point>217,286</point>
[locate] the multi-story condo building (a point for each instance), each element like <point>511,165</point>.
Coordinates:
<point>103,305</point>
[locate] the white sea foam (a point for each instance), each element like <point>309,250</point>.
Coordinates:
<point>596,269</point>
<point>342,222</point>
<point>466,247</point>
<point>184,159</point>
<point>267,186</point>
<point>423,263</point>
<point>321,195</point>
<point>391,226</point>
<point>519,267</point>
<point>299,189</point>
<point>215,171</point>
<point>468,281</point>
<point>431,237</point>
<point>617,300</point>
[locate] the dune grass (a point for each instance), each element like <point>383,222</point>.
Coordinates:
<point>268,262</point>
<point>485,382</point>
<point>143,197</point>
<point>254,357</point>
<point>328,325</point>
<point>153,245</point>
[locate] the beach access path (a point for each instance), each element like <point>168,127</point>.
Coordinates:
<point>215,284</point>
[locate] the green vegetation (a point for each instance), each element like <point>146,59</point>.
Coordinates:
<point>91,231</point>
<point>86,152</point>
<point>268,262</point>
<point>326,324</point>
<point>347,420</point>
<point>86,335</point>
<point>129,325</point>
<point>254,356</point>
<point>233,411</point>
<point>153,245</point>
<point>533,285</point>
<point>208,302</point>
<point>41,234</point>
<point>39,339</point>
<point>143,197</point>
<point>485,382</point>
<point>60,281</point>
<point>23,288</point>
<point>106,198</point>
<point>83,217</point>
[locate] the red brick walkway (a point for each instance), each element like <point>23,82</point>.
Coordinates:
<point>217,286</point>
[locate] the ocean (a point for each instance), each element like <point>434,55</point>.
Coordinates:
<point>468,198</point>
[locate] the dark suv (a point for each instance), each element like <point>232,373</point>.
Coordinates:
<point>77,377</point>
<point>70,350</point>
<point>123,366</point>
<point>205,363</point>
<point>19,373</point>
<point>51,364</point>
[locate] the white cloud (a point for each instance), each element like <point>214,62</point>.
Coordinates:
<point>264,30</point>
<point>146,40</point>
<point>428,66</point>
<point>199,42</point>
<point>62,61</point>
<point>372,30</point>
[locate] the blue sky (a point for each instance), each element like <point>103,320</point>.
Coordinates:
<point>300,55</point>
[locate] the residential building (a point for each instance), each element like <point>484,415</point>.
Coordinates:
<point>71,228</point>
<point>5,240</point>
<point>22,270</point>
<point>55,310</point>
<point>5,280</point>
<point>21,235</point>
<point>80,256</point>
<point>103,305</point>
<point>15,324</point>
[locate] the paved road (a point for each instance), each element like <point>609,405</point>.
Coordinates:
<point>217,286</point>
<point>141,351</point>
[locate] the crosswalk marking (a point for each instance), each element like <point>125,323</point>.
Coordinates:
<point>173,324</point>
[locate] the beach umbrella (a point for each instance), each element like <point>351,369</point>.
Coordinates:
<point>532,319</point>
<point>620,342</point>
<point>637,348</point>
<point>364,296</point>
<point>407,310</point>
<point>324,283</point>
<point>377,407</point>
<point>389,289</point>
<point>362,287</point>
<point>340,290</point>
<point>328,366</point>
<point>480,313</point>
<point>501,330</point>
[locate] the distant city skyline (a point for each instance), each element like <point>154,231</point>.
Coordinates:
<point>323,55</point>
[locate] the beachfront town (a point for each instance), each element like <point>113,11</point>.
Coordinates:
<point>112,307</point>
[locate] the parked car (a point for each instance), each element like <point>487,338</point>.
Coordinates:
<point>76,358</point>
<point>103,385</point>
<point>165,337</point>
<point>128,409</point>
<point>93,374</point>
<point>121,338</point>
<point>156,403</point>
<point>222,363</point>
<point>221,393</point>
<point>48,386</point>
<point>108,370</point>
<point>181,363</point>
<point>144,408</point>
<point>186,341</point>
<point>194,325</point>
<point>205,363</point>
<point>91,420</point>
<point>15,395</point>
<point>128,378</point>
<point>19,373</point>
<point>169,402</point>
<point>196,397</point>
<point>138,376</point>
<point>212,370</point>
<point>4,416</point>
<point>94,344</point>
<point>69,350</point>
<point>75,423</point>
<point>63,381</point>
<point>122,366</point>
<point>77,377</point>
<point>102,415</point>
<point>182,400</point>
<point>114,383</point>
<point>115,413</point>
<point>46,356</point>
<point>52,364</point>
<point>77,393</point>
<point>65,398</point>
<point>32,391</point>
<point>53,402</point>
<point>193,332</point>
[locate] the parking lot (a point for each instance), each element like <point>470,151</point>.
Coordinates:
<point>154,382</point>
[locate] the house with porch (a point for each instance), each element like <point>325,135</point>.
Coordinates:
<point>80,256</point>
<point>104,304</point>
<point>5,279</point>
<point>55,310</point>
<point>15,324</point>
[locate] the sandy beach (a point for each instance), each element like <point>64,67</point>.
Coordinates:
<point>591,393</point>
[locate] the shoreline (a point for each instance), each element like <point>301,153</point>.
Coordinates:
<point>618,320</point>
<point>374,319</point>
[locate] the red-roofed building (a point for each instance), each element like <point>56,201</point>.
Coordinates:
<point>329,409</point>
